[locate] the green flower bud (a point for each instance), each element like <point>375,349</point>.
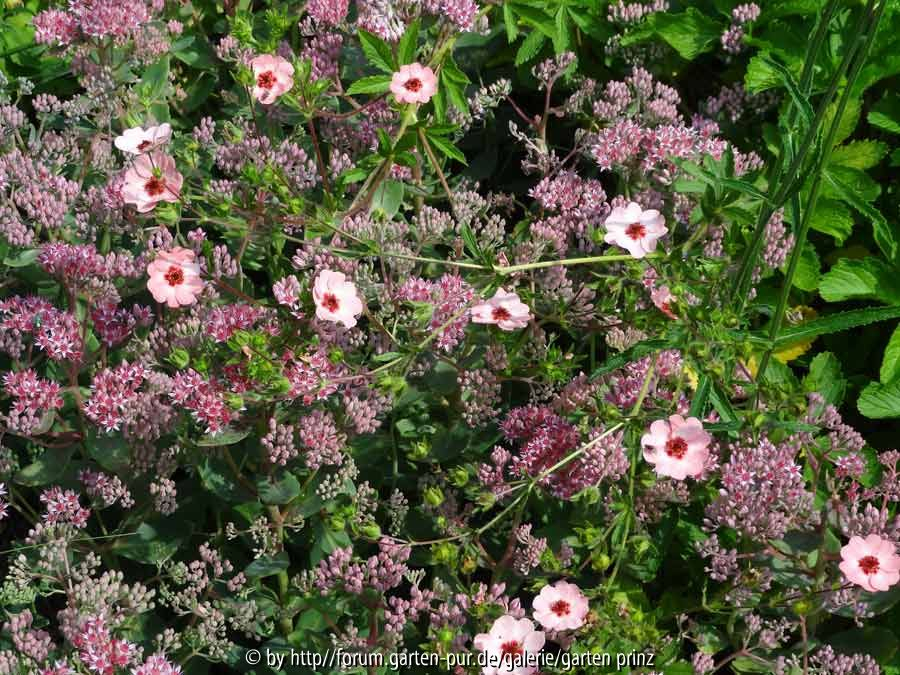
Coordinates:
<point>434,496</point>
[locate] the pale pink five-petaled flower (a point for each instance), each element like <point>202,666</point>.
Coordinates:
<point>505,310</point>
<point>561,606</point>
<point>273,76</point>
<point>152,178</point>
<point>336,299</point>
<point>511,646</point>
<point>678,448</point>
<point>137,140</point>
<point>662,297</point>
<point>872,562</point>
<point>175,277</point>
<point>414,83</point>
<point>634,229</point>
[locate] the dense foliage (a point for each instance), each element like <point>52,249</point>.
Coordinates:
<point>518,334</point>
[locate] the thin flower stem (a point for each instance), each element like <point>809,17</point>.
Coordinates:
<point>436,165</point>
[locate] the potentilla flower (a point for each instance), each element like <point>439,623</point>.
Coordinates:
<point>151,178</point>
<point>561,606</point>
<point>635,230</point>
<point>414,83</point>
<point>336,299</point>
<point>137,140</point>
<point>510,646</point>
<point>505,310</point>
<point>678,448</point>
<point>175,277</point>
<point>872,562</point>
<point>273,77</point>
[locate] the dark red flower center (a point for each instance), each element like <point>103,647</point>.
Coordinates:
<point>869,564</point>
<point>636,231</point>
<point>143,145</point>
<point>155,186</point>
<point>330,302</point>
<point>676,447</point>
<point>413,84</point>
<point>175,275</point>
<point>500,314</point>
<point>511,648</point>
<point>560,608</point>
<point>266,80</point>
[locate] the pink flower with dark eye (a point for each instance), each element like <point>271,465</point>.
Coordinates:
<point>336,299</point>
<point>152,178</point>
<point>511,647</point>
<point>662,297</point>
<point>561,606</point>
<point>175,277</point>
<point>273,76</point>
<point>872,562</point>
<point>505,310</point>
<point>678,448</point>
<point>137,140</point>
<point>634,229</point>
<point>414,83</point>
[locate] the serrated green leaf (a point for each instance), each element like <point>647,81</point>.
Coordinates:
<point>808,270</point>
<point>530,47</point>
<point>689,33</point>
<point>886,114</point>
<point>406,50</point>
<point>447,148</point>
<point>832,217</point>
<point>373,84</point>
<point>377,52</point>
<point>509,22</point>
<point>866,279</point>
<point>884,232</point>
<point>835,323</point>
<point>863,154</point>
<point>826,377</point>
<point>787,80</point>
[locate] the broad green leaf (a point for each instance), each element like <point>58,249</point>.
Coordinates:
<point>859,154</point>
<point>447,148</point>
<point>877,641</point>
<point>866,279</point>
<point>690,33</point>
<point>760,76</point>
<point>848,122</point>
<point>227,436</point>
<point>267,566</point>
<point>826,378</point>
<point>808,270</point>
<point>154,542</point>
<point>45,469</point>
<point>377,51</point>
<point>509,22</point>
<point>832,217</point>
<point>282,491</point>
<point>373,84</point>
<point>155,79</point>
<point>217,478</point>
<point>786,79</point>
<point>885,233</point>
<point>890,363</point>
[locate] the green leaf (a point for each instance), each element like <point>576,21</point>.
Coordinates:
<point>406,50</point>
<point>760,76</point>
<point>836,323</point>
<point>23,259</point>
<point>389,197</point>
<point>471,242</point>
<point>46,469</point>
<point>826,378</point>
<point>377,52</point>
<point>690,33</point>
<point>886,114</point>
<point>267,566</point>
<point>509,22</point>
<point>447,148</point>
<point>890,363</point>
<point>155,79</point>
<point>216,478</point>
<point>154,542</point>
<point>877,641</point>
<point>832,217</point>
<point>284,490</point>
<point>373,84</point>
<point>808,270</point>
<point>530,47</point>
<point>563,40</point>
<point>880,401</point>
<point>227,436</point>
<point>786,79</point>
<point>195,51</point>
<point>869,279</point>
<point>862,154</point>
<point>849,119</point>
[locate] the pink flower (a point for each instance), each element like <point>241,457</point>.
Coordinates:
<point>137,140</point>
<point>151,178</point>
<point>336,299</point>
<point>872,562</point>
<point>662,297</point>
<point>157,665</point>
<point>504,309</point>
<point>175,277</point>
<point>635,230</point>
<point>561,606</point>
<point>511,646</point>
<point>678,448</point>
<point>274,77</point>
<point>414,83</point>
